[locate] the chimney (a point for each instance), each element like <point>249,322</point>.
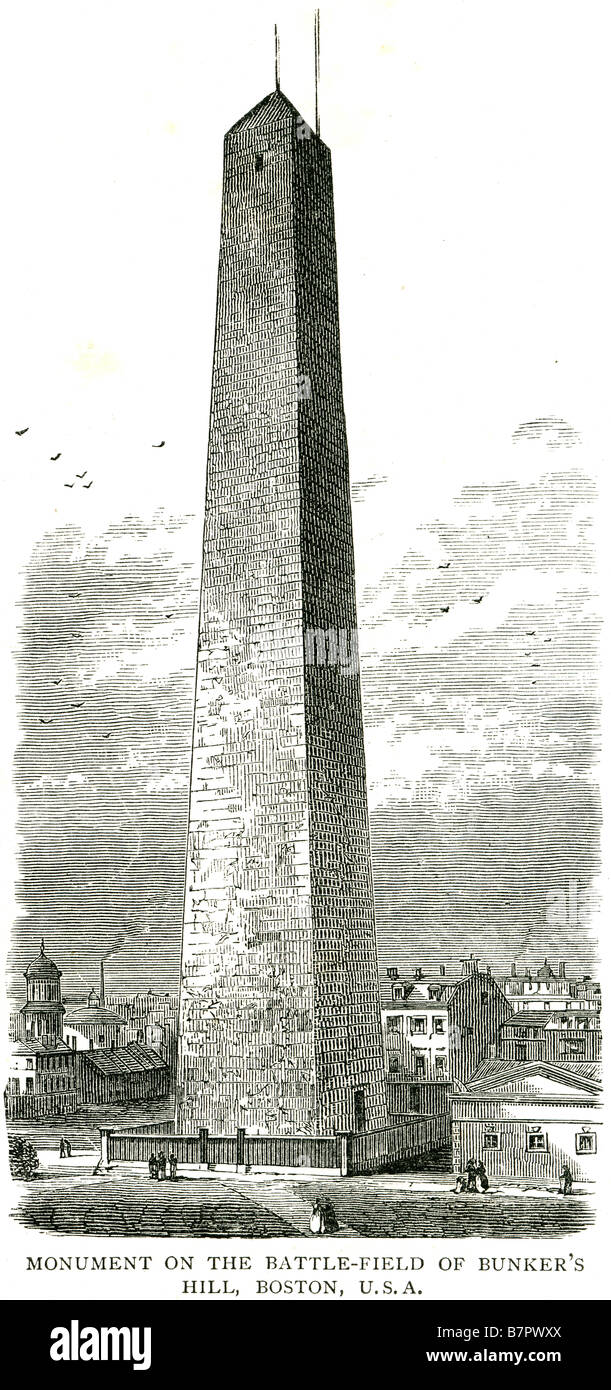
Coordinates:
<point>488,969</point>
<point>561,970</point>
<point>470,966</point>
<point>102,1001</point>
<point>442,970</point>
<point>513,970</point>
<point>418,973</point>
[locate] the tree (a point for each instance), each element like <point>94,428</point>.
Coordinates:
<point>23,1158</point>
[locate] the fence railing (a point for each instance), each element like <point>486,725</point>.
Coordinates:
<point>339,1153</point>
<point>410,1139</point>
<point>30,1106</point>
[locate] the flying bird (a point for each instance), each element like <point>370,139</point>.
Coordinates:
<point>531,634</point>
<point>105,735</point>
<point>76,634</point>
<point>68,484</point>
<point>547,639</point>
<point>169,615</point>
<point>23,431</point>
<point>78,705</point>
<point>46,721</point>
<point>58,682</point>
<point>445,610</point>
<point>159,446</point>
<point>81,475</point>
<point>55,457</point>
<point>88,484</point>
<point>478,600</point>
<point>445,567</point>
<point>74,595</point>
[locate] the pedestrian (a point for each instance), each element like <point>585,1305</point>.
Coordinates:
<point>481,1178</point>
<point>461,1182</point>
<point>62,1147</point>
<point>161,1162</point>
<point>173,1162</point>
<point>566,1181</point>
<point>153,1165</point>
<point>317,1219</point>
<point>68,1148</point>
<point>331,1221</point>
<point>471,1171</point>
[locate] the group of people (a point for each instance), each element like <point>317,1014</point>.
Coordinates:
<point>65,1148</point>
<point>323,1220</point>
<point>158,1166</point>
<point>473,1179</point>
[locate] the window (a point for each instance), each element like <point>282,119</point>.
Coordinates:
<point>585,1143</point>
<point>394,1023</point>
<point>29,1083</point>
<point>419,1025</point>
<point>29,1064</point>
<point>438,1025</point>
<point>393,1064</point>
<point>492,1141</point>
<point>520,1052</point>
<point>419,1064</point>
<point>258,163</point>
<point>440,1066</point>
<point>536,1143</point>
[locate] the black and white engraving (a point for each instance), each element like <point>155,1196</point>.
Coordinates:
<point>304,944</point>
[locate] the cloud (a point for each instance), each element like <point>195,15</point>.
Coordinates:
<point>102,787</point>
<point>555,433</point>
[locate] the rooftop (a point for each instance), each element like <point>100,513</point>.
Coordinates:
<point>42,968</point>
<point>119,1060</point>
<point>273,110</point>
<point>495,1072</point>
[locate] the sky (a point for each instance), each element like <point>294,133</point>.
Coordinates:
<point>471,219</point>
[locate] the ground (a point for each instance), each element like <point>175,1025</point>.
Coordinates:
<point>69,1198</point>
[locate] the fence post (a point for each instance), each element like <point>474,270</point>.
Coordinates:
<point>104,1133</point>
<point>345,1152</point>
<point>203,1148</point>
<point>239,1152</point>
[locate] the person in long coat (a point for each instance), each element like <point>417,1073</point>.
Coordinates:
<point>161,1164</point>
<point>153,1165</point>
<point>331,1221</point>
<point>481,1178</point>
<point>173,1162</point>
<point>317,1219</point>
<point>471,1171</point>
<point>566,1181</point>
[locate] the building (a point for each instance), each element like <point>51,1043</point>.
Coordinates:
<point>42,1077</point>
<point>564,1036</point>
<point>92,1025</point>
<point>41,1081</point>
<point>42,1015</point>
<point>438,1029</point>
<point>151,1019</point>
<point>279,1026</point>
<point>546,990</point>
<point>528,1119</point>
<point>113,1076</point>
